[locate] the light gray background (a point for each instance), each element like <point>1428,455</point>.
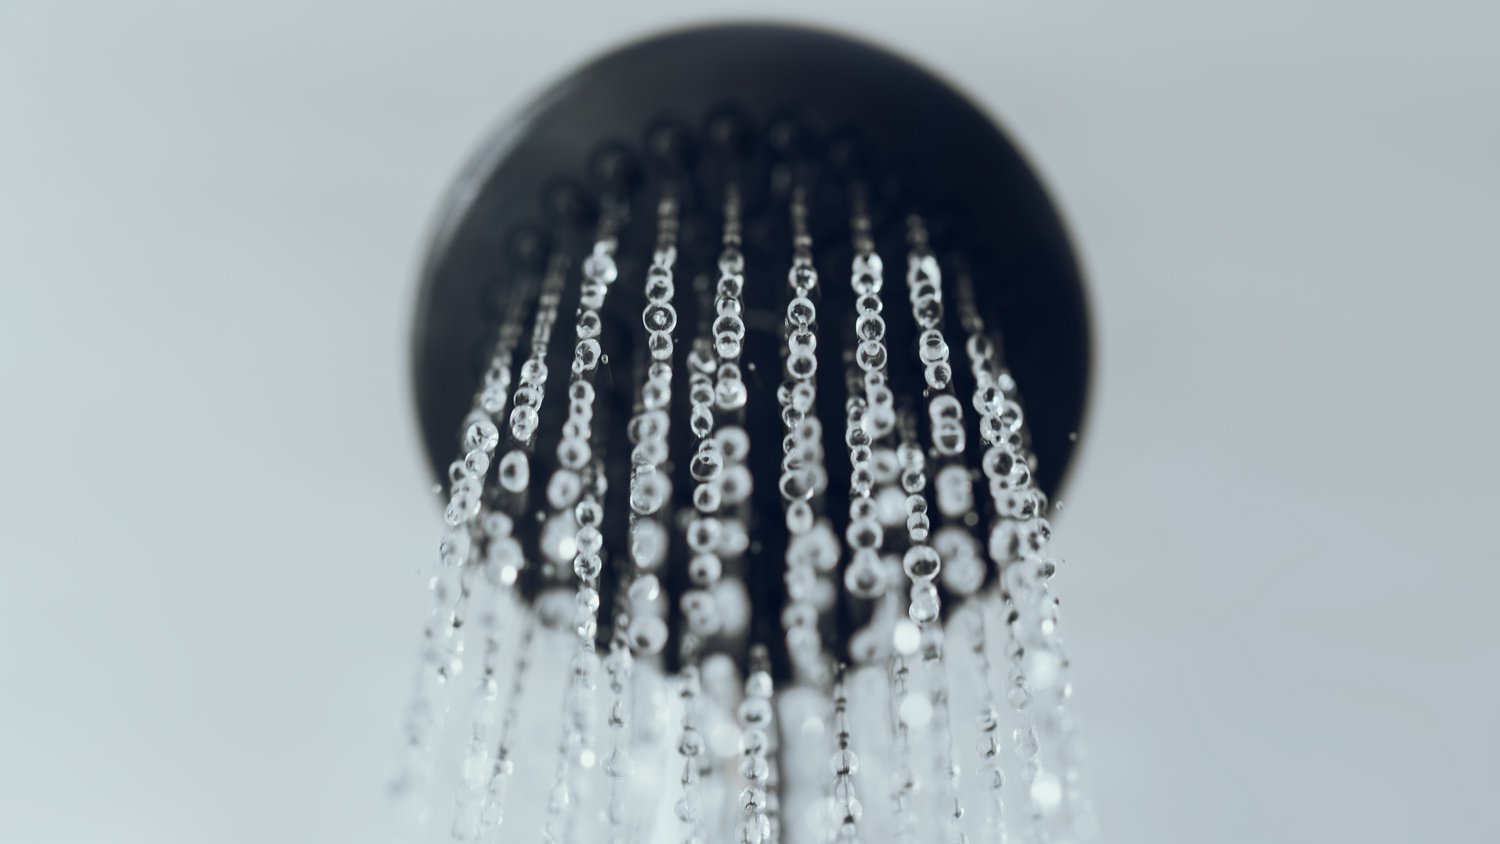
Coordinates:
<point>214,517</point>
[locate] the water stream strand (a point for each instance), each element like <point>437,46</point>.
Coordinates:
<point>756,716</point>
<point>648,430</point>
<point>952,489</point>
<point>991,766</point>
<point>715,531</point>
<point>1037,686</point>
<point>575,453</point>
<point>619,665</point>
<point>514,472</point>
<point>469,797</point>
<point>698,609</point>
<point>493,815</point>
<point>903,776</point>
<point>690,746</point>
<point>844,764</point>
<point>871,419</point>
<point>442,640</point>
<point>870,413</point>
<point>812,547</point>
<point>773,781</point>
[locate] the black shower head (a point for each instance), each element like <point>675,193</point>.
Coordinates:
<point>748,117</point>
<point>702,449</point>
<point>776,103</point>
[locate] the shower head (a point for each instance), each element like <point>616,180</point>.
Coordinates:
<point>771,104</point>
<point>750,485</point>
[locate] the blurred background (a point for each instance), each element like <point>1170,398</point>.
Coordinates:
<point>215,517</point>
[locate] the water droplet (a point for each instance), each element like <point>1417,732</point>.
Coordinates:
<point>533,372</point>
<point>931,347</point>
<point>707,462</point>
<point>515,471</point>
<point>727,346</point>
<point>573,452</point>
<point>455,547</point>
<point>563,489</point>
<point>588,325</point>
<point>864,577</point>
<point>921,562</point>
<point>801,312</point>
<point>600,267</point>
<point>587,565</point>
<point>735,485</point>
<point>648,635</point>
<point>482,435</point>
<point>802,341</point>
<point>803,277</point>
<point>864,533</point>
<point>660,317</point>
<point>731,395</point>
<point>703,533</point>
<point>648,543</point>
<point>659,293</point>
<point>938,375</point>
<point>925,606</point>
<point>586,355</point>
<point>461,508</point>
<point>523,423</point>
<point>801,364</point>
<point>649,493</point>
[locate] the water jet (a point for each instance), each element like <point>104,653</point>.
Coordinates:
<point>704,432</point>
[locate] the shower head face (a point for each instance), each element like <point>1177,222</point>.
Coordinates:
<point>760,486</point>
<point>760,114</point>
<point>764,107</point>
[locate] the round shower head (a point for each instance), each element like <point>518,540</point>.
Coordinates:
<point>745,122</point>
<point>755,495</point>
<point>771,104</point>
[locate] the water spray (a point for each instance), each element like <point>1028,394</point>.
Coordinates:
<point>750,360</point>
